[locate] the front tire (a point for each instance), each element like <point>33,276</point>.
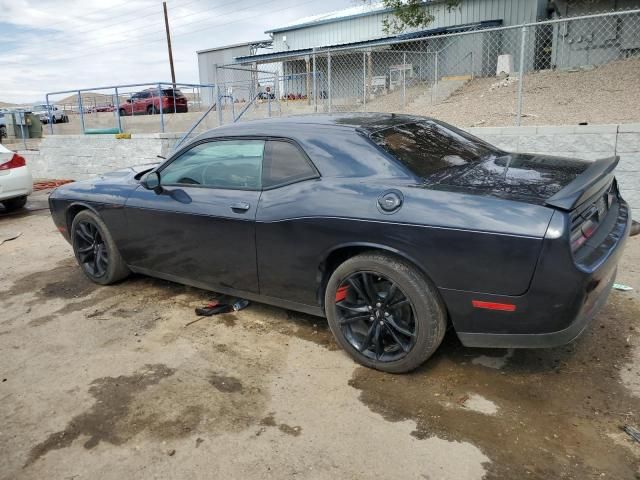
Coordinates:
<point>95,250</point>
<point>14,203</point>
<point>384,312</point>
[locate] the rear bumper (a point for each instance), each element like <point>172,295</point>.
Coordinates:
<point>541,340</point>
<point>564,296</point>
<point>17,183</point>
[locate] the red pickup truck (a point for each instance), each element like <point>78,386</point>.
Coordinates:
<point>148,102</point>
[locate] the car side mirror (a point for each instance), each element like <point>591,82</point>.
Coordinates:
<point>128,100</point>
<point>151,181</point>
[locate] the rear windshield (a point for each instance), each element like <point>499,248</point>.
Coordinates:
<point>429,149</point>
<point>168,92</point>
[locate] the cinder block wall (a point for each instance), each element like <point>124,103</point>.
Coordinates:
<point>82,156</point>
<point>582,141</point>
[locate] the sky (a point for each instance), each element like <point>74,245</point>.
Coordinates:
<point>54,45</point>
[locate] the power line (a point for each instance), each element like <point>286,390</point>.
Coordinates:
<point>103,26</point>
<point>160,39</point>
<point>86,47</point>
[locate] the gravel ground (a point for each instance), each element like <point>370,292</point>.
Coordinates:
<point>111,383</point>
<point>606,94</point>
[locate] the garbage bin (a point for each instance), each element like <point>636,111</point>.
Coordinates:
<point>35,125</point>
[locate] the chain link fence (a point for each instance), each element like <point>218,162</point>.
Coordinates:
<point>418,75</point>
<point>483,74</point>
<point>136,108</point>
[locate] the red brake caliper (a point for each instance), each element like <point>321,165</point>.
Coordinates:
<point>341,293</point>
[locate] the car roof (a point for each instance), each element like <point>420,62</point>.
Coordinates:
<point>367,122</point>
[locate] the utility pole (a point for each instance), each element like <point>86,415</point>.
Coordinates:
<point>166,26</point>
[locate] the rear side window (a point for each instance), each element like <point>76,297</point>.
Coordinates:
<point>429,149</point>
<point>284,163</point>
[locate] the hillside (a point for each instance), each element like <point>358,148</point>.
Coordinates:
<point>605,94</point>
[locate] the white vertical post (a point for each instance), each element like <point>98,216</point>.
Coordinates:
<point>81,111</point>
<point>329,80</point>
<point>315,83</point>
<point>364,80</point>
<point>472,67</point>
<point>50,115</point>
<point>434,90</point>
<point>161,110</point>
<point>521,79</point>
<point>118,110</point>
<point>404,80</point>
<point>218,98</point>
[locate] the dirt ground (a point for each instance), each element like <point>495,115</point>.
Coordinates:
<point>605,94</point>
<point>111,383</point>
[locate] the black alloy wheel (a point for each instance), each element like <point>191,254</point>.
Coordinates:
<point>375,316</point>
<point>384,312</point>
<point>91,249</point>
<point>95,250</point>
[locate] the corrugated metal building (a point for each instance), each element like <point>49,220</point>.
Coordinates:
<point>225,55</point>
<point>362,26</point>
<point>364,23</point>
<point>367,51</point>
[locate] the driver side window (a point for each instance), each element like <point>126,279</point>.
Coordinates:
<point>230,164</point>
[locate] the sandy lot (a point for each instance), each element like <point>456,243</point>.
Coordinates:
<point>110,383</point>
<point>606,94</point>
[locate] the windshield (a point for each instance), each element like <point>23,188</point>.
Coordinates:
<point>430,149</point>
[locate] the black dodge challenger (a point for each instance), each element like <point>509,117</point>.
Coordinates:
<point>391,226</point>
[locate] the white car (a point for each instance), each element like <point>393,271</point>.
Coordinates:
<point>15,180</point>
<point>44,112</point>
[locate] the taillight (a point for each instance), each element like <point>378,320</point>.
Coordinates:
<point>15,162</point>
<point>584,233</point>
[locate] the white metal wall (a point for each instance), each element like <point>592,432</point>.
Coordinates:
<point>223,56</point>
<point>369,27</point>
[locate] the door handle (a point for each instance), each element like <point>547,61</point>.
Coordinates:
<point>240,207</point>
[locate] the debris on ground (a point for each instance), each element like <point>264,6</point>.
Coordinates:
<point>622,287</point>
<point>219,305</point>
<point>9,237</point>
<point>633,432</point>
<point>45,184</point>
<point>503,82</point>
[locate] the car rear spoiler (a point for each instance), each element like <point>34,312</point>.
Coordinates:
<point>593,179</point>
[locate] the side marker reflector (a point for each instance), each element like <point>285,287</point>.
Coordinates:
<point>505,307</point>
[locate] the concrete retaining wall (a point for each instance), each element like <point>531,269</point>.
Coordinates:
<point>82,156</point>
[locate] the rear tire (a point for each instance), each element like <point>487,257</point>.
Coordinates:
<point>95,250</point>
<point>122,112</point>
<point>151,110</point>
<point>14,203</point>
<point>401,337</point>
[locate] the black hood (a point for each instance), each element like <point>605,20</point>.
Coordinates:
<point>514,176</point>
